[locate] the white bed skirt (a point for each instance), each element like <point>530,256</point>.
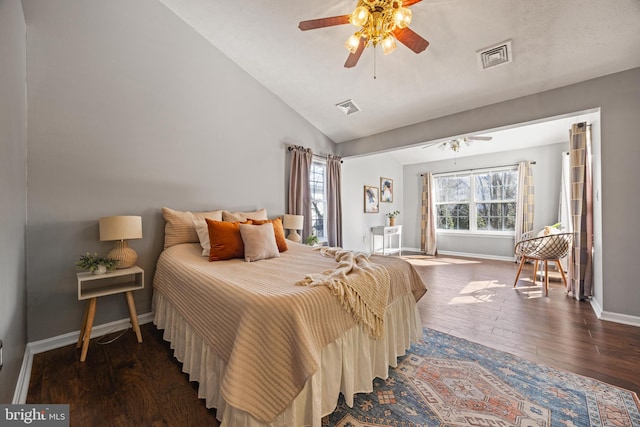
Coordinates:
<point>348,365</point>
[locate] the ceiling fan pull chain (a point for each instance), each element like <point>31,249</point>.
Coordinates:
<point>374,62</point>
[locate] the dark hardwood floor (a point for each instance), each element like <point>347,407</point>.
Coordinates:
<point>129,384</point>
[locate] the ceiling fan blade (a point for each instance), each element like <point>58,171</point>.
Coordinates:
<point>411,39</point>
<point>312,24</point>
<point>480,138</point>
<point>406,3</point>
<point>431,144</point>
<point>353,58</point>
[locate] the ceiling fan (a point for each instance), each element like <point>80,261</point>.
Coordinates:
<point>455,144</point>
<point>380,21</point>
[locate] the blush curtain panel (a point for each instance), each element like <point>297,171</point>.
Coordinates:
<point>334,197</point>
<point>299,197</point>
<point>428,239</point>
<point>525,203</point>
<point>581,209</point>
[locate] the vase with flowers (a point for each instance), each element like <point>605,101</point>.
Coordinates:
<point>392,217</point>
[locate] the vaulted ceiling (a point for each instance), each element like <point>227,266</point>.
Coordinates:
<point>554,43</point>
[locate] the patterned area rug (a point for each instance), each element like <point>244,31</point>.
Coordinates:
<point>449,381</point>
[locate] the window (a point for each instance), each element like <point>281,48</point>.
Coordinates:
<point>477,201</point>
<point>317,187</point>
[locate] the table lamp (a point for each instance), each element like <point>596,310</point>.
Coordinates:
<point>121,229</point>
<point>293,223</point>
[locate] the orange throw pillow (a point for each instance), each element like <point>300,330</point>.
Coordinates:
<point>225,240</point>
<point>278,230</point>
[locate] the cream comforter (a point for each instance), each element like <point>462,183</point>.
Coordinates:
<point>268,331</point>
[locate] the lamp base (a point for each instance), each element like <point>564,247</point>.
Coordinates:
<point>122,253</point>
<point>294,236</point>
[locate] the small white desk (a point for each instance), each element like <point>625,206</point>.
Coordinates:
<point>91,286</point>
<point>390,235</point>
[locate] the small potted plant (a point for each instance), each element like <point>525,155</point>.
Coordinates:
<point>95,264</point>
<point>312,240</point>
<point>392,217</point>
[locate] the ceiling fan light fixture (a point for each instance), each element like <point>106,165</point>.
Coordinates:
<point>388,44</point>
<point>380,22</point>
<point>402,17</point>
<point>353,42</point>
<point>360,16</point>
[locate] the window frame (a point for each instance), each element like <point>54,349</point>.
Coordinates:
<point>472,202</point>
<point>322,162</point>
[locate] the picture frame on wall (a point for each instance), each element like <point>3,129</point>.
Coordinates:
<point>386,190</point>
<point>371,199</point>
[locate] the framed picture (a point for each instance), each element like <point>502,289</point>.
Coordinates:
<point>386,190</point>
<point>371,199</point>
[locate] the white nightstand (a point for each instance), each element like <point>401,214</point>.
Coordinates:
<point>91,286</point>
<point>390,235</point>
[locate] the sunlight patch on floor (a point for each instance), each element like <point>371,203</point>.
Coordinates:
<point>477,292</point>
<point>530,290</point>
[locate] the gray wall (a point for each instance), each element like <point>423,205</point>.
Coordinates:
<point>546,171</point>
<point>356,173</point>
<point>618,96</point>
<point>131,110</point>
<point>13,187</point>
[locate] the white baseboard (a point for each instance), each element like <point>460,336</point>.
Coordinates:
<point>625,319</point>
<point>466,255</point>
<point>22,386</point>
<point>597,307</point>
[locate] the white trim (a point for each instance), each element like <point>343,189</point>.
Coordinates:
<point>482,234</point>
<point>597,307</point>
<point>481,256</point>
<point>625,319</point>
<point>22,386</point>
<point>412,250</point>
<point>463,254</point>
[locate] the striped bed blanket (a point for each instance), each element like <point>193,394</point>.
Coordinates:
<point>269,331</point>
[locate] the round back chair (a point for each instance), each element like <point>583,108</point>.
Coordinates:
<point>552,247</point>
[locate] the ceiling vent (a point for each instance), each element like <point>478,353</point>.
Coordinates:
<point>495,55</point>
<point>348,107</point>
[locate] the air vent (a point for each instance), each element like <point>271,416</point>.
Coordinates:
<point>495,55</point>
<point>348,107</point>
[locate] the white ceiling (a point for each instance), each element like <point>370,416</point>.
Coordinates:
<point>555,43</point>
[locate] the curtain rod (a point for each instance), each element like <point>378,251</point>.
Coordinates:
<point>320,156</point>
<point>477,169</point>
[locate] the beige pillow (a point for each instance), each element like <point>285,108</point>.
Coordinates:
<point>179,227</point>
<point>244,216</point>
<point>259,242</point>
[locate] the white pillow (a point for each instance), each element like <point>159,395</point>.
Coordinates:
<point>259,242</point>
<point>202,229</point>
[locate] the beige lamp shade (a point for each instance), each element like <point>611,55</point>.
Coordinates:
<point>293,223</point>
<point>120,229</point>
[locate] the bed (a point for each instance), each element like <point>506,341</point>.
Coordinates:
<point>267,351</point>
